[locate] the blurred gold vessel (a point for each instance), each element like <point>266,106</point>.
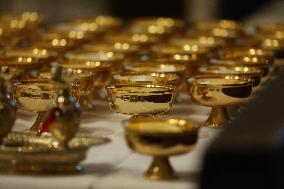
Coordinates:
<point>144,40</point>
<point>219,92</point>
<point>247,73</point>
<point>150,78</point>
<point>156,25</point>
<point>161,138</point>
<point>26,153</point>
<point>100,63</point>
<point>226,29</point>
<point>155,66</point>
<point>36,95</point>
<point>140,100</point>
<point>189,55</point>
<point>251,62</point>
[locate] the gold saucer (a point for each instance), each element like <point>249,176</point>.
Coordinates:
<point>26,153</point>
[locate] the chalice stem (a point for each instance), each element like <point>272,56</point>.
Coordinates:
<point>218,118</point>
<point>160,169</point>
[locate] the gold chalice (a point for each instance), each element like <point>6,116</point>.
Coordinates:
<point>131,38</point>
<point>156,26</point>
<point>204,41</point>
<point>246,61</point>
<point>161,138</point>
<point>23,66</point>
<point>101,63</point>
<point>53,41</point>
<point>155,66</point>
<point>140,100</point>
<point>160,78</point>
<point>82,83</point>
<point>36,95</point>
<point>226,29</point>
<point>99,24</point>
<point>190,55</point>
<point>271,37</point>
<point>245,72</point>
<point>16,28</point>
<point>130,50</point>
<point>219,92</point>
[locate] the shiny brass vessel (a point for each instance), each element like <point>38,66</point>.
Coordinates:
<point>219,92</point>
<point>161,138</point>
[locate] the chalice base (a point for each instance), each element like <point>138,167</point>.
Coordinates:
<point>218,118</point>
<point>160,169</point>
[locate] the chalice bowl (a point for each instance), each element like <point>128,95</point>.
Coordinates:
<point>161,138</point>
<point>160,78</point>
<point>39,95</point>
<point>140,100</point>
<point>219,93</point>
<point>36,95</point>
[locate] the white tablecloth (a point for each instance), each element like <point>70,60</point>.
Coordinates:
<point>114,165</point>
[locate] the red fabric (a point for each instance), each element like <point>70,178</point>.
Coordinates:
<point>48,122</point>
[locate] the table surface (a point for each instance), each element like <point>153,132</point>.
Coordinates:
<point>114,165</point>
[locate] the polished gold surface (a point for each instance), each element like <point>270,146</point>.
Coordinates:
<point>219,92</point>
<point>253,62</point>
<point>82,84</point>
<point>131,38</point>
<point>186,52</point>
<point>22,65</point>
<point>140,99</point>
<point>236,71</point>
<point>153,66</point>
<point>26,153</point>
<point>227,29</point>
<point>156,78</point>
<point>36,95</point>
<point>101,63</point>
<point>201,40</point>
<point>53,41</point>
<point>160,138</point>
<point>156,25</point>
<point>118,47</point>
<point>248,53</point>
<point>98,24</point>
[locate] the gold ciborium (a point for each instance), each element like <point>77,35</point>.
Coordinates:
<point>161,138</point>
<point>140,100</point>
<point>219,92</point>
